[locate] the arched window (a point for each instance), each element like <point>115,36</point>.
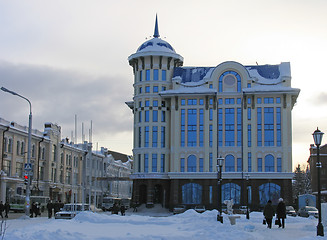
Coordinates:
<point>229,163</point>
<point>191,163</point>
<point>231,191</point>
<point>269,191</point>
<point>229,79</point>
<point>18,147</point>
<point>269,163</point>
<point>192,193</point>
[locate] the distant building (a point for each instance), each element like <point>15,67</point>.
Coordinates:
<point>186,117</point>
<point>323,170</point>
<point>61,169</point>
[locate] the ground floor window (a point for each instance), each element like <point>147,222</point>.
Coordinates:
<point>231,191</point>
<point>269,191</point>
<point>192,193</point>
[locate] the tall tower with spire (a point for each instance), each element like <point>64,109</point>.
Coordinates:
<point>153,65</point>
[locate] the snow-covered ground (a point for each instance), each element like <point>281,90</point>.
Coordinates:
<point>157,224</point>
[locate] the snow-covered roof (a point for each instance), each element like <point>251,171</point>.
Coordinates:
<point>189,89</point>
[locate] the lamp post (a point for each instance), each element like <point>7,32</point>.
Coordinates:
<point>247,196</point>
<point>317,137</point>
<point>220,161</point>
<point>28,186</point>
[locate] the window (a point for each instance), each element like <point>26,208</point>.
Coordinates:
<point>19,169</point>
<point>259,101</point>
<point>201,102</point>
<point>10,145</point>
<point>191,163</point>
<point>22,148</point>
<point>140,136</point>
<point>259,127</point>
<point>183,102</point>
<point>231,191</point>
<point>269,163</point>
<point>163,137</point>
<point>201,127</point>
<point>154,162</point>
<point>249,135</point>
<point>268,100</point>
<point>210,114</point>
<point>229,101</point>
<point>182,127</point>
<point>155,89</point>
<point>210,162</point>
<point>155,115</point>
<point>229,127</point>
<point>230,163</point>
<point>163,75</point>
<point>139,162</point>
<point>146,162</point>
<point>155,74</point>
<point>210,135</point>
<point>140,90</point>
<point>18,148</point>
<point>140,116</point>
<point>146,136</point>
<point>163,116</point>
<point>192,102</point>
<point>147,75</point>
<point>141,76</point>
<point>278,100</point>
<point>259,164</point>
<point>162,165</point>
<point>147,103</point>
<point>278,126</point>
<point>269,191</point>
<point>182,164</point>
<point>191,127</point>
<point>229,78</point>
<point>220,127</point>
<point>239,127</point>
<point>154,136</point>
<point>269,126</point>
<point>191,193</point>
<point>147,89</point>
<point>33,151</point>
<point>200,164</point>
<point>147,118</point>
<point>239,164</point>
<point>279,165</point>
<point>155,103</point>
<point>249,162</point>
<point>54,153</point>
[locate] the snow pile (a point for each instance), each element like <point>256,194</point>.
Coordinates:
<point>143,226</point>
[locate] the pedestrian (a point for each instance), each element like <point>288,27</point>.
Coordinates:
<point>122,210</point>
<point>33,210</point>
<point>269,212</point>
<point>2,207</point>
<point>281,213</point>
<point>115,209</point>
<point>56,207</point>
<point>134,207</point>
<point>49,207</point>
<point>7,208</point>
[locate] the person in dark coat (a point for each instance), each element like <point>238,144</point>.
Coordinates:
<point>7,208</point>
<point>2,207</point>
<point>56,207</point>
<point>281,213</point>
<point>33,210</point>
<point>269,212</point>
<point>122,210</point>
<point>49,207</point>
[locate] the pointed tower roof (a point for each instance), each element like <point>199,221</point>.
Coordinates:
<point>156,29</point>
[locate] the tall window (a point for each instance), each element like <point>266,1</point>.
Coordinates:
<point>279,164</point>
<point>231,191</point>
<point>162,165</point>
<point>192,193</point>
<point>220,126</point>
<point>249,162</point>
<point>259,126</point>
<point>163,75</point>
<point>278,126</point>
<point>22,148</point>
<point>146,136</point>
<point>229,127</point>
<point>147,118</point>
<point>269,191</point>
<point>163,116</point>
<point>191,128</point>
<point>155,115</point>
<point>230,163</point>
<point>54,153</point>
<point>239,164</point>
<point>140,136</point>
<point>200,164</point>
<point>259,164</point>
<point>201,128</point>
<point>239,127</point>
<point>269,163</point>
<point>18,147</point>
<point>182,127</point>
<point>139,162</point>
<point>146,162</point>
<point>147,75</point>
<point>182,164</point>
<point>155,74</point>
<point>210,135</point>
<point>249,136</point>
<point>210,162</point>
<point>10,145</point>
<point>269,126</point>
<point>154,136</point>
<point>191,163</point>
<point>154,162</point>
<point>141,76</point>
<point>163,137</point>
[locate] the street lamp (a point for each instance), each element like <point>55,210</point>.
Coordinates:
<point>28,186</point>
<point>317,137</point>
<point>220,161</point>
<point>247,196</point>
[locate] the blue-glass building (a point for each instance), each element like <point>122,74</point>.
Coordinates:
<point>186,117</point>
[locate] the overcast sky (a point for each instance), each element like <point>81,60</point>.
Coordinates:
<point>70,57</point>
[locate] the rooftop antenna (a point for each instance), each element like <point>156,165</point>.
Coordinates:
<point>156,29</point>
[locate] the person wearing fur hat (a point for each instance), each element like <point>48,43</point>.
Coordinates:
<point>281,213</point>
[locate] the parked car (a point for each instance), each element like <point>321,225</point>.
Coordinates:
<point>200,208</point>
<point>179,209</point>
<point>308,211</point>
<point>69,211</point>
<point>290,211</point>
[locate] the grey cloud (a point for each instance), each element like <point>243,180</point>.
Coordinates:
<point>57,95</point>
<point>320,98</point>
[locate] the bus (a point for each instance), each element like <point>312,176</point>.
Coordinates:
<point>108,203</point>
<point>17,202</point>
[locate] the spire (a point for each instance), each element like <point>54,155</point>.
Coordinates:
<point>156,29</point>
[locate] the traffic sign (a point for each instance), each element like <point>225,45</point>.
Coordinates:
<point>28,167</point>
